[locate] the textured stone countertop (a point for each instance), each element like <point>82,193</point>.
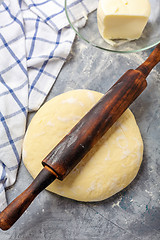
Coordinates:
<point>132,214</point>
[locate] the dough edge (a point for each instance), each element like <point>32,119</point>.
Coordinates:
<point>99,190</point>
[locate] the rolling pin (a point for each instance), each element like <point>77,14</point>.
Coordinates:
<point>83,136</point>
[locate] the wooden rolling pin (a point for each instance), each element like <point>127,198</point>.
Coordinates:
<point>75,145</point>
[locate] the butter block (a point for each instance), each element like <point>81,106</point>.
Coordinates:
<point>122,19</point>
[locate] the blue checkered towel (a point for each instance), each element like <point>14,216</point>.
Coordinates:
<point>35,40</point>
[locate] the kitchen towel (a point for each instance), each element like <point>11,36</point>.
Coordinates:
<point>35,40</point>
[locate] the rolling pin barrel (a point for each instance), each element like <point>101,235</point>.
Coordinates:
<point>74,146</point>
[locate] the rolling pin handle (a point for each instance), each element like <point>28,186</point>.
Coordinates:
<point>16,208</point>
<point>151,62</point>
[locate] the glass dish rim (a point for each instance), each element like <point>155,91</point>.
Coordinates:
<point>107,49</point>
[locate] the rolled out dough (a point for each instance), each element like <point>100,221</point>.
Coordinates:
<point>110,165</point>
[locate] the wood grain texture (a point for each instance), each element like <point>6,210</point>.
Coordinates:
<point>74,146</point>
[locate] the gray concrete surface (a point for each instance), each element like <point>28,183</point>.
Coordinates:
<point>132,214</point>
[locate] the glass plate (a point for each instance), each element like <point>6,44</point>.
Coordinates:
<point>90,33</point>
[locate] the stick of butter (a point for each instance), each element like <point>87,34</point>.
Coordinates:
<point>122,19</point>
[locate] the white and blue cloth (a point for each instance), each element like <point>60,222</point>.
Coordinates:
<point>35,40</point>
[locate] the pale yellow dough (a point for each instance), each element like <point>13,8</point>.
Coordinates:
<point>108,168</point>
